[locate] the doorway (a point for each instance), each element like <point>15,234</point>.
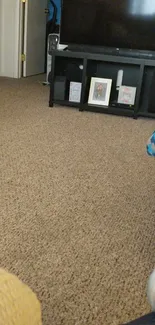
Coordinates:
<point>23,39</point>
<point>32,37</point>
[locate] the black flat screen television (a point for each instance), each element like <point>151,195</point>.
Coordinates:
<point>128,24</point>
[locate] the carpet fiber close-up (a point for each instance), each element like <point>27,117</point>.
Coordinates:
<point>77,207</point>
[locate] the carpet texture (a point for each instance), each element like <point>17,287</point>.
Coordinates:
<point>77,197</point>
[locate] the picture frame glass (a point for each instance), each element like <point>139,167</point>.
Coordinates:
<point>100,90</point>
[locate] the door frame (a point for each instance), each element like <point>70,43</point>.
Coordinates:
<point>20,37</point>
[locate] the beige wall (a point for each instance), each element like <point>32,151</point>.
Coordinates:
<point>0,34</point>
<point>9,38</point>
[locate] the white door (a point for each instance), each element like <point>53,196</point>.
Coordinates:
<point>34,37</point>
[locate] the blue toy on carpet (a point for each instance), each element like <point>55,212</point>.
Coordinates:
<point>151,145</point>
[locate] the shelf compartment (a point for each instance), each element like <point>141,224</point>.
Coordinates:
<point>109,70</point>
<point>148,79</point>
<point>101,69</point>
<point>65,66</point>
<point>69,69</point>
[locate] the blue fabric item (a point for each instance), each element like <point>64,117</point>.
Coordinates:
<point>151,145</point>
<point>58,4</point>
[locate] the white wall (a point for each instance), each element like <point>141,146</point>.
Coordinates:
<point>9,38</point>
<point>0,34</point>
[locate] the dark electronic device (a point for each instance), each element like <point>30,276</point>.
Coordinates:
<point>121,24</point>
<point>60,84</point>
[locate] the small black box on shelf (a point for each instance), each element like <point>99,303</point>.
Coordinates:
<point>60,84</point>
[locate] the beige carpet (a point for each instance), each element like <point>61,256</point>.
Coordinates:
<point>77,207</point>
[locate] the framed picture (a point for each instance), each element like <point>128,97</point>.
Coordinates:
<point>99,93</point>
<point>127,95</point>
<point>75,92</point>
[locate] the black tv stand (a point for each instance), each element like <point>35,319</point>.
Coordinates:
<point>138,72</point>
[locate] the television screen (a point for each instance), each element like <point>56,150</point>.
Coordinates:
<point>113,23</point>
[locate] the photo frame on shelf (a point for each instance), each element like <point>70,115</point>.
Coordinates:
<point>75,92</point>
<point>127,95</point>
<point>99,92</point>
